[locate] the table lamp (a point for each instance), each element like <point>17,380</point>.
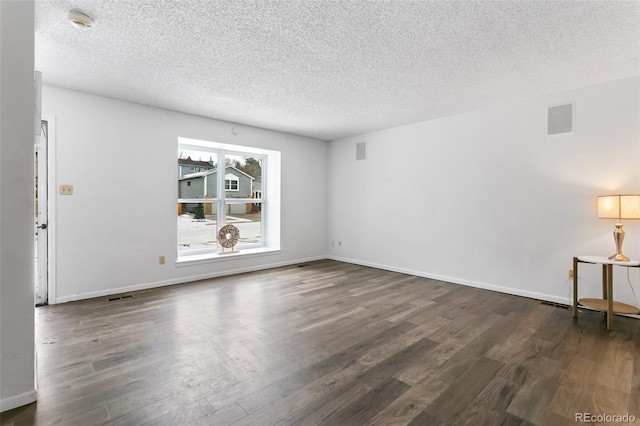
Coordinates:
<point>619,207</point>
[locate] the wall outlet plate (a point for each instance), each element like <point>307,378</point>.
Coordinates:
<point>66,189</point>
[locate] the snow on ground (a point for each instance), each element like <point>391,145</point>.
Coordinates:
<point>200,234</point>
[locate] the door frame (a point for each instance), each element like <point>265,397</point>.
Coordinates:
<point>51,208</point>
<point>42,215</point>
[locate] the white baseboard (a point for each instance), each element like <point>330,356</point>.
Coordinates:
<point>181,280</point>
<point>477,284</point>
<point>469,283</point>
<point>16,401</point>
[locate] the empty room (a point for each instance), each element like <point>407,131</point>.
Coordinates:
<point>428,213</point>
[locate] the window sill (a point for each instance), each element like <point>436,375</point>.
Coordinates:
<point>197,259</point>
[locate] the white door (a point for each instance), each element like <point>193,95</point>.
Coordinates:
<point>41,219</point>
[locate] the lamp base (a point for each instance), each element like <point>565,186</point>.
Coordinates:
<point>619,257</point>
<point>618,236</point>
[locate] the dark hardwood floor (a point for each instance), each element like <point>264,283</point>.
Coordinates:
<point>328,343</point>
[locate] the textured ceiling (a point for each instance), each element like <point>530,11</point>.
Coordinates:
<point>329,69</point>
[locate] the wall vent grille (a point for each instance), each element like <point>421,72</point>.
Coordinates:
<point>361,151</point>
<point>560,119</point>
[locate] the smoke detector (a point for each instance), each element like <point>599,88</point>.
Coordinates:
<point>80,20</point>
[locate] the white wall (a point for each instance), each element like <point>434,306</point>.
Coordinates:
<point>121,159</point>
<point>482,198</point>
<point>486,199</point>
<point>16,205</point>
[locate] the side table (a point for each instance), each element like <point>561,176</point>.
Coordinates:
<point>606,304</point>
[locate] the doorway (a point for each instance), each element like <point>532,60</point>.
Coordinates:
<point>41,210</point>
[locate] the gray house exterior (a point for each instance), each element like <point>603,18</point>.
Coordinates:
<point>238,184</point>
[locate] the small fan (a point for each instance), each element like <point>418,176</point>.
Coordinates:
<point>228,237</point>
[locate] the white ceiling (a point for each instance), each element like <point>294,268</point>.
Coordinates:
<point>329,69</point>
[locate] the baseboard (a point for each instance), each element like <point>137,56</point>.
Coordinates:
<point>181,280</point>
<point>16,401</point>
<point>469,283</point>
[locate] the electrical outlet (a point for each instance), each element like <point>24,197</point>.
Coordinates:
<point>570,273</point>
<point>339,243</point>
<point>66,189</point>
<point>161,260</point>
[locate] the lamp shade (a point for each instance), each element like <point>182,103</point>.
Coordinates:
<point>619,206</point>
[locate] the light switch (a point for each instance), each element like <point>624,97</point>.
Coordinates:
<point>66,189</point>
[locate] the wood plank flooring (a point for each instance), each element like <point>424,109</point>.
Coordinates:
<point>327,343</point>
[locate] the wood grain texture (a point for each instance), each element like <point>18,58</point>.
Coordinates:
<point>327,343</point>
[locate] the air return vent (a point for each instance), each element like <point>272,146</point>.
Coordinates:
<point>560,119</point>
<point>361,151</point>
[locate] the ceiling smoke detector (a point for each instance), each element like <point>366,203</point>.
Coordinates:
<point>80,20</point>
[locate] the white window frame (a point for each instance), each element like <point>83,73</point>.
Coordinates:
<point>270,211</point>
<point>231,181</point>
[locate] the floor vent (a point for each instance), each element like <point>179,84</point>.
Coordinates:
<point>556,305</point>
<point>126,296</point>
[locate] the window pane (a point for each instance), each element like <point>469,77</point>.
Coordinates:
<point>247,217</point>
<point>244,173</point>
<point>200,183</point>
<point>232,183</point>
<point>197,226</point>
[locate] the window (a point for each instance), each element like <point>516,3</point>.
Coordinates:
<point>247,196</point>
<point>231,182</point>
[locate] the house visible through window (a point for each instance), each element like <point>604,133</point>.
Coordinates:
<point>207,202</point>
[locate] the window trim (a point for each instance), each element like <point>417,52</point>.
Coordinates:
<point>205,258</point>
<point>270,213</point>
